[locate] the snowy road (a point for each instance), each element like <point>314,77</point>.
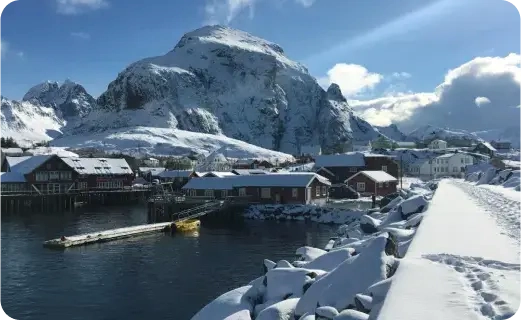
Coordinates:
<point>464,260</point>
<point>503,209</point>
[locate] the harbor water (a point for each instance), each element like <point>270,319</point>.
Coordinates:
<point>148,277</point>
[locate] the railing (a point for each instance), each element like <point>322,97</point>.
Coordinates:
<point>196,212</point>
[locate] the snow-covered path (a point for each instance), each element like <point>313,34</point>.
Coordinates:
<point>464,260</point>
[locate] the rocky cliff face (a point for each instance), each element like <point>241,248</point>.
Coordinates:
<point>224,81</point>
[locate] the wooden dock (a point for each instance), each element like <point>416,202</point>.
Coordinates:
<point>108,235</point>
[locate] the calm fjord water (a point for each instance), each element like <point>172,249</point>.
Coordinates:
<point>150,277</point>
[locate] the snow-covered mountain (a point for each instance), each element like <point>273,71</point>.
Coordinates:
<point>510,134</point>
<point>219,80</point>
<point>392,132</point>
<point>28,123</point>
<point>453,136</point>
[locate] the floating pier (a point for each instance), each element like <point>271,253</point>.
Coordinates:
<point>108,235</point>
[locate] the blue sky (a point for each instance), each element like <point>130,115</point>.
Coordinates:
<point>90,41</point>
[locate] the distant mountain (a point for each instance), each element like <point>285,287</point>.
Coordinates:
<point>453,136</point>
<point>510,134</point>
<point>392,132</point>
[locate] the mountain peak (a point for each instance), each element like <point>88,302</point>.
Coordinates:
<point>334,93</point>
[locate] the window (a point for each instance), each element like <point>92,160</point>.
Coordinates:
<point>81,185</point>
<point>294,192</point>
<point>352,169</point>
<point>462,160</point>
<point>384,168</point>
<point>242,192</point>
<point>265,193</point>
<point>42,176</point>
<point>324,190</point>
<point>360,186</point>
<point>386,184</point>
<point>54,175</point>
<point>208,193</point>
<point>380,184</point>
<point>317,192</point>
<point>65,175</point>
<point>224,193</point>
<point>193,193</point>
<point>446,169</point>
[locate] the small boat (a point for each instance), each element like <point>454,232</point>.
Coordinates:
<point>187,225</point>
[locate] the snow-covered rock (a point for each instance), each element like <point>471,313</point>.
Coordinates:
<point>226,305</point>
<point>329,260</point>
<point>283,310</point>
<point>369,224</point>
<point>413,205</point>
<point>326,313</point>
<point>309,253</point>
<point>351,314</point>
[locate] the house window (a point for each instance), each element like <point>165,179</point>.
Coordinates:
<point>81,185</point>
<point>384,168</point>
<point>294,192</point>
<point>193,192</point>
<point>352,169</point>
<point>324,190</point>
<point>42,176</point>
<point>317,193</point>
<point>242,192</point>
<point>65,175</point>
<point>54,175</point>
<point>224,193</point>
<point>360,186</point>
<point>386,184</point>
<point>208,193</point>
<point>265,193</point>
<point>462,160</point>
<point>380,185</point>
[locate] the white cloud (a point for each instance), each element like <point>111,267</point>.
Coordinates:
<point>225,11</point>
<point>480,101</point>
<point>70,7</point>
<point>401,75</point>
<point>4,47</point>
<point>453,102</point>
<point>352,79</point>
<point>80,35</point>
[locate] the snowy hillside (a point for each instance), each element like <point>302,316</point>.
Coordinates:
<point>510,134</point>
<point>163,141</point>
<point>26,122</point>
<point>452,136</point>
<point>220,80</point>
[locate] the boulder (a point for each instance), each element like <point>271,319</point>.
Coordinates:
<point>325,313</point>
<point>283,310</point>
<point>363,303</point>
<point>309,253</point>
<point>369,224</point>
<point>414,204</point>
<point>351,314</point>
<point>268,265</point>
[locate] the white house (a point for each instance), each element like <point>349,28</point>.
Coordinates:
<point>438,144</point>
<point>151,162</point>
<point>421,168</point>
<point>451,164</point>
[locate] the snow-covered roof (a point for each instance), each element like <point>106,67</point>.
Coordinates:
<point>11,177</point>
<point>175,174</point>
<point>12,150</point>
<point>488,146</point>
<point>355,159</point>
<point>60,152</point>
<point>219,174</point>
<point>376,176</point>
<point>447,155</point>
<point>99,165</point>
<point>209,183</point>
<point>300,179</point>
<point>26,164</point>
<point>438,141</point>
<point>153,170</point>
<point>152,159</point>
<point>245,172</point>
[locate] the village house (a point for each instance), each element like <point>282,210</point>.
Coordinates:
<point>252,164</point>
<point>101,173</point>
<point>338,167</point>
<point>178,178</point>
<point>377,183</point>
<point>485,148</point>
<point>151,162</point>
<point>301,188</point>
<point>150,173</point>
<point>501,145</point>
<point>421,168</point>
<point>310,151</point>
<point>39,174</point>
<point>451,164</point>
<point>376,162</point>
<point>438,144</point>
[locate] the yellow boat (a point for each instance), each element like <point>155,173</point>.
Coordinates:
<point>187,225</point>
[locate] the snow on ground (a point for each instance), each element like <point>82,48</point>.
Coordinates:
<point>354,273</point>
<point>61,152</point>
<point>407,181</point>
<point>463,262</point>
<point>164,141</point>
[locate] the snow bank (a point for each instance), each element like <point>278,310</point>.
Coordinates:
<point>303,213</point>
<point>226,305</point>
<point>486,174</point>
<point>349,280</point>
<point>469,271</point>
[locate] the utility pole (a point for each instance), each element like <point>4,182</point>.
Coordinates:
<point>401,172</point>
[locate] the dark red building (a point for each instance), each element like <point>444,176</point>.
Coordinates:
<point>378,183</point>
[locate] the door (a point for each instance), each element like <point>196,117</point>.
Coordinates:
<point>308,195</point>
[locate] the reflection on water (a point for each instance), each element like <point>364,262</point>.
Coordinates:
<point>152,276</point>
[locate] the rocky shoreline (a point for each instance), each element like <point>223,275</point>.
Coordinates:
<point>348,280</point>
